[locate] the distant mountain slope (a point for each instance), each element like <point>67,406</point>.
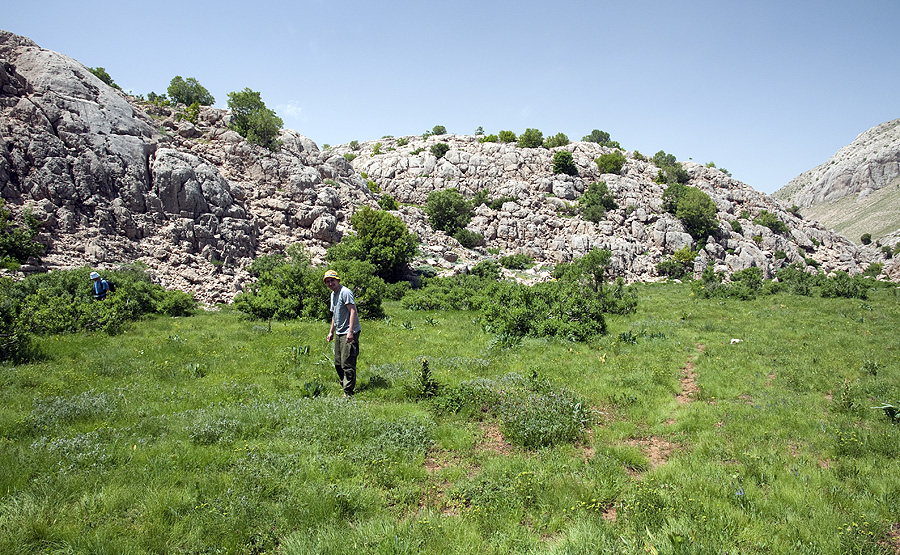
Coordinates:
<point>857,191</point>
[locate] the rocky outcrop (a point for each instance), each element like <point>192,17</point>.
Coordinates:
<point>857,190</point>
<point>115,180</point>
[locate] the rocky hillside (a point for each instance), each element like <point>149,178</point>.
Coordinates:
<point>115,180</point>
<point>857,191</point>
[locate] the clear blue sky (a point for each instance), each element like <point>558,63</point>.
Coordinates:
<point>766,89</point>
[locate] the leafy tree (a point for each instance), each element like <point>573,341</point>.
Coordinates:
<point>564,163</point>
<point>187,91</point>
<point>448,211</point>
<point>866,238</point>
<point>479,130</point>
<point>440,149</point>
<point>697,213</point>
<point>560,139</point>
<point>670,171</point>
<point>101,74</point>
<point>387,202</point>
<point>467,238</point>
<point>252,120</point>
<point>381,239</point>
<point>611,162</point>
<point>439,130</point>
<point>596,201</point>
<point>17,243</point>
<point>771,221</point>
<point>506,137</point>
<point>597,136</point>
<point>531,138</point>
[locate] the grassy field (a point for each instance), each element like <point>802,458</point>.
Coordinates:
<point>715,426</point>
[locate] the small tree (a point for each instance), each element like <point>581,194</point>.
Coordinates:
<point>17,242</point>
<point>440,149</point>
<point>564,163</point>
<point>101,74</point>
<point>439,130</point>
<point>697,213</point>
<point>770,221</point>
<point>252,120</point>
<point>531,138</point>
<point>612,162</point>
<point>187,91</point>
<point>506,137</point>
<point>596,201</point>
<point>866,238</point>
<point>560,139</point>
<point>381,239</point>
<point>448,211</point>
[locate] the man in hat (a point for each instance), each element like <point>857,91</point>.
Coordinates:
<point>101,287</point>
<point>345,324</point>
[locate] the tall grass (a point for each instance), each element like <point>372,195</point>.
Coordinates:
<point>204,435</point>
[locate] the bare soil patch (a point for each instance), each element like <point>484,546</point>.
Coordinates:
<point>493,440</point>
<point>656,449</point>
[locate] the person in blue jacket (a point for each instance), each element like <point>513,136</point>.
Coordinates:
<point>101,287</point>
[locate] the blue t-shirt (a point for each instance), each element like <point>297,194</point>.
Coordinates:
<point>340,312</point>
<point>100,289</point>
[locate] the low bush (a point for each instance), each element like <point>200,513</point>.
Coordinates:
<point>596,201</point>
<point>448,211</point>
<point>381,239</point>
<point>469,239</point>
<point>531,138</point>
<point>611,162</point>
<point>563,163</point>
<point>517,261</point>
<point>771,221</point>
<point>387,202</point>
<point>440,149</point>
<point>507,137</point>
<point>866,238</point>
<point>560,139</point>
<point>439,130</point>
<point>17,242</point>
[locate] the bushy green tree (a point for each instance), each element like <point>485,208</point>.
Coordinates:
<point>381,239</point>
<point>596,201</point>
<point>560,139</point>
<point>531,138</point>
<point>611,162</point>
<point>252,120</point>
<point>694,208</point>
<point>387,202</point>
<point>601,138</point>
<point>101,74</point>
<point>448,211</point>
<point>866,238</point>
<point>564,163</point>
<point>506,137</point>
<point>771,221</point>
<point>188,91</point>
<point>440,149</point>
<point>671,171</point>
<point>17,242</point>
<point>439,130</point>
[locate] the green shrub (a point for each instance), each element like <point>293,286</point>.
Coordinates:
<point>468,239</point>
<point>489,139</point>
<point>507,137</point>
<point>842,284</point>
<point>101,74</point>
<point>387,202</point>
<point>873,270</point>
<point>736,226</point>
<point>611,162</point>
<point>176,303</point>
<point>780,255</point>
<point>563,163</point>
<point>670,171</point>
<point>560,139</point>
<point>253,121</point>
<point>693,208</point>
<point>531,138</point>
<point>349,156</point>
<point>479,198</point>
<point>188,91</point>
<point>439,130</point>
<point>376,149</point>
<point>887,252</point>
<point>866,238</point>
<point>795,210</point>
<point>448,211</point>
<point>596,201</point>
<point>597,136</point>
<point>517,261</point>
<point>487,269</point>
<point>770,221</point>
<point>381,239</point>
<point>373,187</point>
<point>402,141</point>
<point>439,149</point>
<point>354,145</point>
<point>680,264</point>
<point>17,242</point>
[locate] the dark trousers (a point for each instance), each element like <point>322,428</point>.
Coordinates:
<point>345,354</point>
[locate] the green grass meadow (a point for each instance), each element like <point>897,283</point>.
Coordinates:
<point>716,426</point>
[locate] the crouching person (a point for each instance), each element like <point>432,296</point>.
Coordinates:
<point>344,330</point>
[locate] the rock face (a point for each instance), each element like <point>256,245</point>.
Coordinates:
<point>115,180</point>
<point>857,191</point>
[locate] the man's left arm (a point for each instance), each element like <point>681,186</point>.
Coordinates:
<point>354,319</point>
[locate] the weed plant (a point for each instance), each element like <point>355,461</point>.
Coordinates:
<point>696,425</point>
